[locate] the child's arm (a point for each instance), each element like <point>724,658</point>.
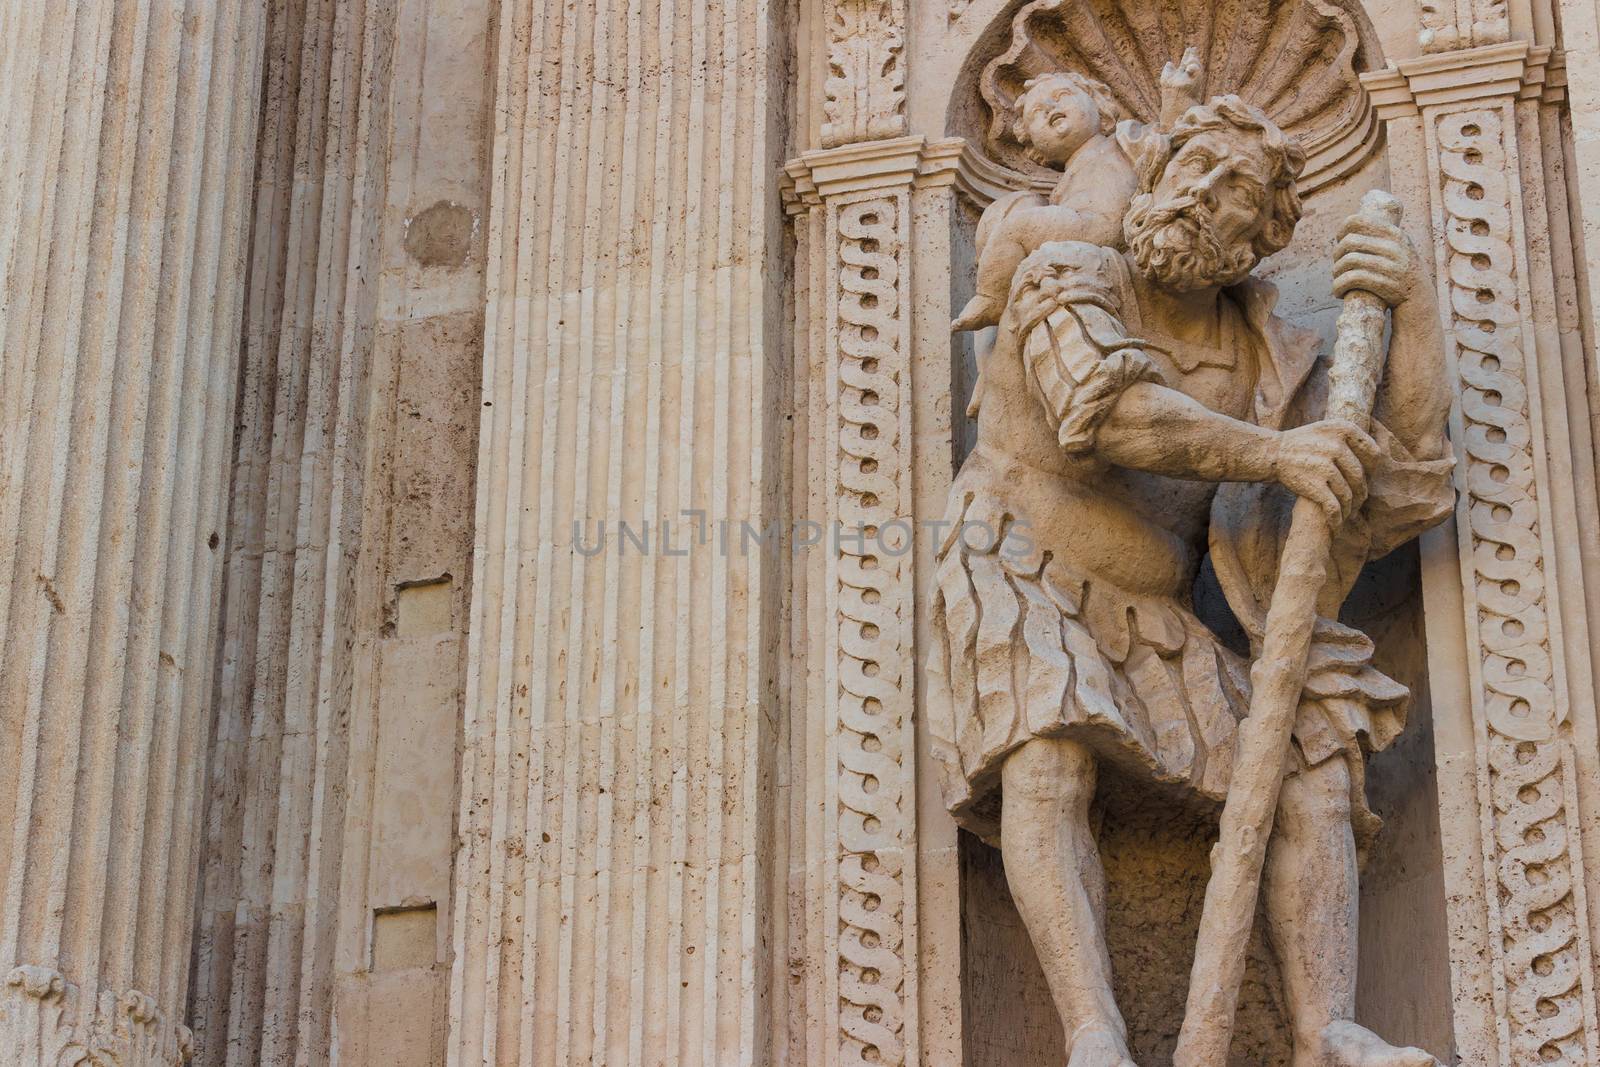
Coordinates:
<point>998,256</point>
<point>1095,219</point>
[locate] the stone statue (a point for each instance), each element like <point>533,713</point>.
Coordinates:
<point>1070,123</point>
<point>1141,407</point>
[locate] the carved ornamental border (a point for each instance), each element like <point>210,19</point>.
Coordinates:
<point>1534,893</point>
<point>859,201</point>
<point>863,192</point>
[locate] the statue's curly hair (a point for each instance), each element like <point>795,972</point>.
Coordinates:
<point>1285,160</point>
<point>1104,102</point>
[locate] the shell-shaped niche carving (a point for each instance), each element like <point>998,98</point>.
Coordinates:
<point>1298,60</point>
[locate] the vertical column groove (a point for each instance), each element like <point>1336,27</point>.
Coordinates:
<point>121,279</point>
<point>609,898</point>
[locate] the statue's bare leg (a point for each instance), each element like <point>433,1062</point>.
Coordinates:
<point>1312,892</point>
<point>1053,869</point>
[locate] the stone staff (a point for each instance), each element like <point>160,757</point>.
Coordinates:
<point>1276,682</point>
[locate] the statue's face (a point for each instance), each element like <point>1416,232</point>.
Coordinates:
<point>1058,121</point>
<point>1197,228</point>
<point>1223,173</point>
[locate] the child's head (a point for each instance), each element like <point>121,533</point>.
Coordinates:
<point>1057,113</point>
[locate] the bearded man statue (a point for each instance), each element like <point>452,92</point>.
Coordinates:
<point>1139,409</point>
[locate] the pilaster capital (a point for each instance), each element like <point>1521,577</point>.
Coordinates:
<point>862,166</point>
<point>1466,76</point>
<point>950,162</point>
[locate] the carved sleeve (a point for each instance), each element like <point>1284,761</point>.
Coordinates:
<point>1078,356</point>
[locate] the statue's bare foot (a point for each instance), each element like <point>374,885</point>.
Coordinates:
<point>980,311</point>
<point>1095,1046</point>
<point>1344,1044</point>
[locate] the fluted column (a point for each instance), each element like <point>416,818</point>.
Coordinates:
<point>127,131</point>
<point>614,882</point>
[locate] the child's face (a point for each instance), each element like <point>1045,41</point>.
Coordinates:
<point>1058,122</point>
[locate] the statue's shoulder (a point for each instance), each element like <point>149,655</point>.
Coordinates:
<point>1062,273</point>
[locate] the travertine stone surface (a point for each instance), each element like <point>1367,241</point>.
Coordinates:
<point>1522,943</point>
<point>252,925</point>
<point>324,923</point>
<point>476,584</point>
<point>858,199</point>
<point>128,143</point>
<point>614,885</point>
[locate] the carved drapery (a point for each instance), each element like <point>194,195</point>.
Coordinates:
<point>1532,908</point>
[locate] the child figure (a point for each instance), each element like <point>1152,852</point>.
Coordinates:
<point>1070,122</point>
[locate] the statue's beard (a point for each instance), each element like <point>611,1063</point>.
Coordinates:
<point>1176,246</point>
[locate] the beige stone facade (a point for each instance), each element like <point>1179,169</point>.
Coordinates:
<point>476,580</point>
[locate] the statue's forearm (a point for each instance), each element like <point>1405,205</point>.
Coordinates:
<point>1154,428</point>
<point>1415,401</point>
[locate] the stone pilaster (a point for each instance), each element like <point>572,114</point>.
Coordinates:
<point>1507,585</point>
<point>613,883</point>
<point>128,132</point>
<point>852,202</point>
<point>862,193</point>
<point>875,866</point>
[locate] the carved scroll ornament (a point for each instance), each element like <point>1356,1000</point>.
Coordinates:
<point>46,1019</point>
<point>1525,761</point>
<point>874,662</point>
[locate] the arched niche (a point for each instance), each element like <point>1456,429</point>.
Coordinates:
<point>1301,61</point>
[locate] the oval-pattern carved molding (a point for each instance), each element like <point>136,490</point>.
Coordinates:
<point>1299,60</point>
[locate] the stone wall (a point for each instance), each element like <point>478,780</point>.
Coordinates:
<point>324,923</point>
<point>128,133</point>
<point>424,637</point>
